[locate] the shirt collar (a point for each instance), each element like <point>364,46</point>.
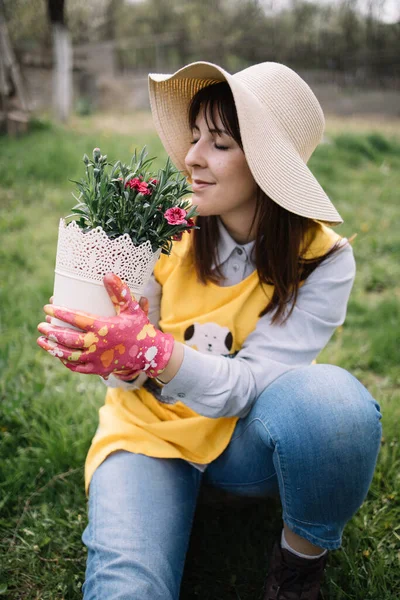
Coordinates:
<point>227,245</point>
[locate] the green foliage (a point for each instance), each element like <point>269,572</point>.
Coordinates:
<point>164,34</point>
<point>48,416</point>
<point>38,123</point>
<point>132,200</point>
<point>84,107</point>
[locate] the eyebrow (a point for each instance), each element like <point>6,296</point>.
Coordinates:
<point>218,131</point>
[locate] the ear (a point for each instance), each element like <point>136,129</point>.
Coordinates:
<point>229,341</point>
<point>189,333</point>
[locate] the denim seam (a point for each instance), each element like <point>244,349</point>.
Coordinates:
<point>214,482</point>
<point>284,496</point>
<point>292,523</point>
<point>96,554</point>
<point>306,522</point>
<point>245,429</point>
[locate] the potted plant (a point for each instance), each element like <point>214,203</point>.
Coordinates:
<point>125,217</point>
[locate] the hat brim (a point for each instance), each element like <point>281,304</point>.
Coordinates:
<point>280,172</point>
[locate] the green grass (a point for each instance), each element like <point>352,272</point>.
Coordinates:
<point>48,416</point>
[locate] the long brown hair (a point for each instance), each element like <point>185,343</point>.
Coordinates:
<point>282,237</point>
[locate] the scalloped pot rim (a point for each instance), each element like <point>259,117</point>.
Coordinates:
<point>99,231</point>
<point>83,259</point>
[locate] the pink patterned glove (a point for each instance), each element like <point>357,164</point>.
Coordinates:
<point>124,345</point>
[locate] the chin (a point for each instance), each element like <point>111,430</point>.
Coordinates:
<point>205,208</point>
<point>204,211</point>
<point>198,203</point>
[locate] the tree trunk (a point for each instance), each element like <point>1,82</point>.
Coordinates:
<point>10,76</point>
<point>62,72</point>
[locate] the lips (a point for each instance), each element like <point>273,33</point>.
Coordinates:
<point>199,184</point>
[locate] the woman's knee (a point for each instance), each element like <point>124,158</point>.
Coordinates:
<point>325,429</point>
<point>323,400</point>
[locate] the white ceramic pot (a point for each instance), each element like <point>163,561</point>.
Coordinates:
<point>84,258</point>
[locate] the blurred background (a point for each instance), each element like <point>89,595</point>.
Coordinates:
<point>73,76</point>
<point>98,53</point>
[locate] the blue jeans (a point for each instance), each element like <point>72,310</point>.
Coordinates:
<point>312,437</point>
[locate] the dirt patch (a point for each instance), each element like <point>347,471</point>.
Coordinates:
<point>363,124</point>
<point>123,124</point>
<point>129,123</point>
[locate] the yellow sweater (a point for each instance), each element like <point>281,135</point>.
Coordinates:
<point>135,420</point>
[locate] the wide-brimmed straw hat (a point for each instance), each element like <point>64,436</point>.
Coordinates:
<point>281,123</point>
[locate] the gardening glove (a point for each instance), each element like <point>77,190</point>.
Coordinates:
<point>124,345</point>
<point>144,305</point>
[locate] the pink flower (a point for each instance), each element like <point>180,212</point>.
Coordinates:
<point>133,183</point>
<point>175,216</point>
<point>153,181</point>
<point>190,223</point>
<point>178,236</point>
<point>144,189</point>
<point>140,186</point>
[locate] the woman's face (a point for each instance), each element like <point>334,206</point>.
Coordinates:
<point>221,179</point>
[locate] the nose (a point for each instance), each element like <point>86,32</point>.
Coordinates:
<point>195,156</point>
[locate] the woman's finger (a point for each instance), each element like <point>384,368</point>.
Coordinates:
<point>78,318</point>
<point>60,351</point>
<point>127,375</point>
<point>144,305</point>
<point>67,336</point>
<point>119,292</point>
<point>87,368</point>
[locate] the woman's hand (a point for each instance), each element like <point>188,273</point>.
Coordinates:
<point>123,345</point>
<point>143,303</point>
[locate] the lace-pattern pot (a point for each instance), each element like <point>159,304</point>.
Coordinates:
<point>84,258</point>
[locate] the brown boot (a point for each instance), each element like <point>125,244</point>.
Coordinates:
<point>291,577</point>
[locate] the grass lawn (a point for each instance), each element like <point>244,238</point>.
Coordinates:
<point>48,415</point>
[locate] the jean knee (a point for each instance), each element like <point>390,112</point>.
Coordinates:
<point>319,403</point>
<point>325,429</point>
<point>334,390</point>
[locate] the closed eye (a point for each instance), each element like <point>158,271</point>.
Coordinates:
<point>217,146</point>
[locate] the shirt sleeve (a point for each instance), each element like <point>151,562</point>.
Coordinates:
<point>218,386</point>
<point>152,291</point>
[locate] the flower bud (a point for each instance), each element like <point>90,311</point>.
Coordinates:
<point>85,159</point>
<point>96,154</point>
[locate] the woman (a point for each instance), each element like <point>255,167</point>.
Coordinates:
<point>240,311</point>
